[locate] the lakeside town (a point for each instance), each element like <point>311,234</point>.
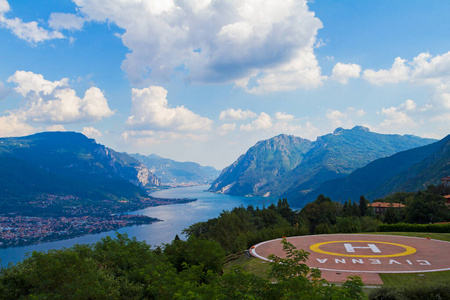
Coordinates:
<point>24,230</point>
<point>67,216</point>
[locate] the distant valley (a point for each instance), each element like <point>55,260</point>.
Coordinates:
<point>174,173</point>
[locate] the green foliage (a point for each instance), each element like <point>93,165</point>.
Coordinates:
<point>439,290</point>
<point>426,207</point>
<point>321,211</point>
<point>195,251</point>
<point>363,208</point>
<point>405,227</point>
<point>369,224</point>
<point>124,268</point>
<point>241,228</point>
<point>348,225</point>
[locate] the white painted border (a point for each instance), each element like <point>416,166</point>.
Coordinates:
<point>253,252</point>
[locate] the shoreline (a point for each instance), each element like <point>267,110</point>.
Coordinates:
<point>69,226</point>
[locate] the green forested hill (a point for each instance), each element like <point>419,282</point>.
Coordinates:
<point>67,163</point>
<point>410,170</point>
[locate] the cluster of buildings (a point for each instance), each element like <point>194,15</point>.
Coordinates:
<point>56,217</point>
<point>20,230</point>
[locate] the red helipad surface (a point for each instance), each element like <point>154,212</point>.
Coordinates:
<point>342,255</point>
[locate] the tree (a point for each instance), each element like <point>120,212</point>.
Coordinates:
<point>195,251</point>
<point>363,208</point>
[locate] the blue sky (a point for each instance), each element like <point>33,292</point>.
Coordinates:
<point>204,80</point>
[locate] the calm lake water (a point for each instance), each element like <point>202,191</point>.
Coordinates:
<point>175,218</point>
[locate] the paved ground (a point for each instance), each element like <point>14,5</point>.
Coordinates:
<point>342,255</point>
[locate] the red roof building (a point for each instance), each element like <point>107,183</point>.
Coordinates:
<point>380,207</point>
<point>447,197</point>
<point>446,181</point>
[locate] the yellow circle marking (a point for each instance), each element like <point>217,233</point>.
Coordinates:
<point>408,250</point>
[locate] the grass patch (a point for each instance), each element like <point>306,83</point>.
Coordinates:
<point>414,279</point>
<point>432,235</point>
<point>252,265</point>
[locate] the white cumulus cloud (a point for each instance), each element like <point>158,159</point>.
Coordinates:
<point>283,116</point>
<point>399,72</point>
<point>150,111</point>
<point>55,102</point>
<point>236,114</point>
<point>262,122</point>
<point>91,132</point>
<point>343,72</point>
<point>398,118</point>
<point>28,31</point>
<point>14,125</point>
<point>216,41</point>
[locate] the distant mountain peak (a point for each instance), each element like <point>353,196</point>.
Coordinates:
<point>338,130</point>
<point>360,128</point>
<point>357,128</point>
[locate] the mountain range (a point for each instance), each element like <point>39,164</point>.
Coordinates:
<point>68,163</point>
<point>292,167</point>
<point>176,173</point>
<point>411,170</point>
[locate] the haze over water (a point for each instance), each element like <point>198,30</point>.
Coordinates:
<point>175,218</point>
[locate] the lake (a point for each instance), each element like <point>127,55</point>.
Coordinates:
<point>175,218</point>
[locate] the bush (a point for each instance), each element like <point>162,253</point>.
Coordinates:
<point>348,225</point>
<point>423,292</point>
<point>369,224</point>
<point>405,227</point>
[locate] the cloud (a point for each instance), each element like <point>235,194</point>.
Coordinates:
<point>219,42</point>
<point>345,118</point>
<point>150,111</point>
<point>302,71</point>
<point>4,91</point>
<point>335,116</point>
<point>262,122</point>
<point>236,114</point>
<point>28,31</point>
<point>14,125</point>
<point>54,102</point>
<point>283,117</point>
<point>59,21</point>
<point>397,73</point>
<point>343,72</point>
<point>431,70</point>
<point>226,128</point>
<point>397,117</point>
<point>91,132</point>
<point>424,69</point>
<point>56,127</point>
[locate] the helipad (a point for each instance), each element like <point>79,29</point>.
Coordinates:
<point>342,255</point>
